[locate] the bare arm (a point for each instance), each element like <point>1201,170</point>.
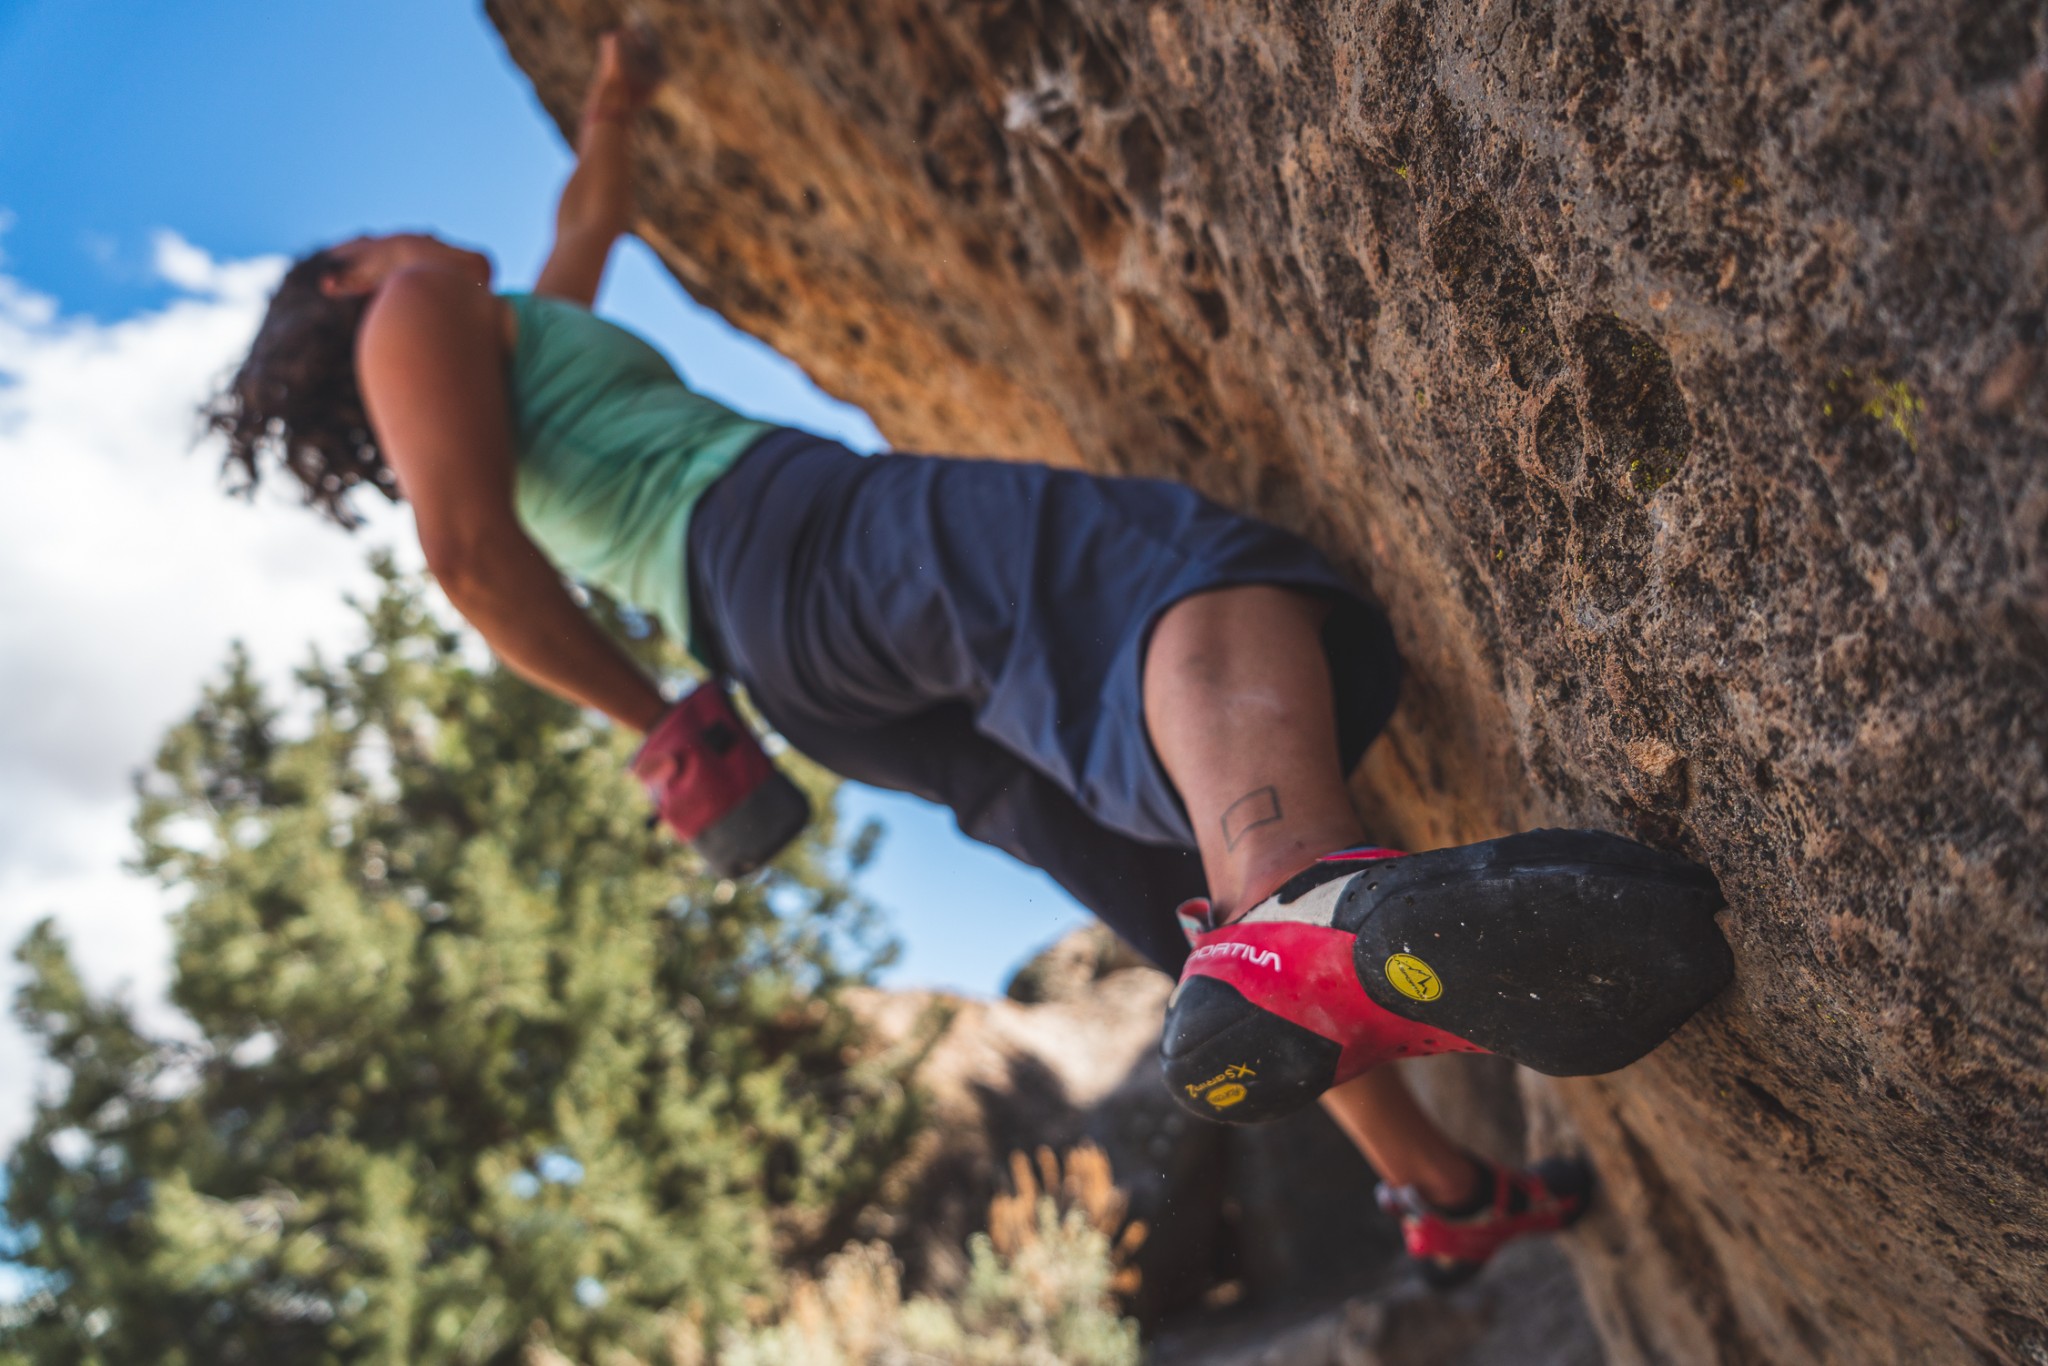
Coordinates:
<point>430,360</point>
<point>597,203</point>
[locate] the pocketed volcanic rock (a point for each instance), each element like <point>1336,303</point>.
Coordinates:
<point>1670,372</point>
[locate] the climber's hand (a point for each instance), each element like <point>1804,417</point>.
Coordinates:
<point>597,203</point>
<point>628,70</point>
<point>640,50</point>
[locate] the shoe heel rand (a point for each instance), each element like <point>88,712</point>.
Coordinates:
<point>1269,1015</point>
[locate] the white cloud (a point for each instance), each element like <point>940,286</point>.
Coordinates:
<point>180,263</point>
<point>124,574</point>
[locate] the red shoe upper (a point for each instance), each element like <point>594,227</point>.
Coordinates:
<point>1523,1203</point>
<point>1287,959</point>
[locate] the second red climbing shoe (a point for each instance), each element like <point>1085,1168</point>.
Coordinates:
<point>1449,1248</point>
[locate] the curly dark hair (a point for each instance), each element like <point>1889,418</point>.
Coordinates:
<point>295,401</point>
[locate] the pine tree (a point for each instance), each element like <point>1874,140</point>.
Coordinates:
<point>475,1049</point>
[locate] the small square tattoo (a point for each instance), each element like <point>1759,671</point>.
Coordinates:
<point>1249,812</point>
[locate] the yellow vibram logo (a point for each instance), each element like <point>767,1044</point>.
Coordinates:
<point>1414,978</point>
<point>1228,1074</point>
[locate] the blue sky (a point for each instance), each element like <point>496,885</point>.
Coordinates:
<point>258,129</point>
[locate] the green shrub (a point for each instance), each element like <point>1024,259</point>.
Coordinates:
<point>472,1048</point>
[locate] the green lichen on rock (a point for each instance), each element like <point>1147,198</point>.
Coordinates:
<point>1896,405</point>
<point>1654,469</point>
<point>1888,402</point>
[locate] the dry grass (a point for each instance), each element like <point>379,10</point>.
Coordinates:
<point>1085,1186</point>
<point>1043,1289</point>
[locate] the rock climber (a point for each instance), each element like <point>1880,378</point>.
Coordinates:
<point>1153,699</point>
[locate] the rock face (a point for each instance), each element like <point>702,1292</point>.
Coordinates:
<point>1674,376</point>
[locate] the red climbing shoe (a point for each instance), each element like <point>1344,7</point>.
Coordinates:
<point>1450,1248</point>
<point>1569,951</point>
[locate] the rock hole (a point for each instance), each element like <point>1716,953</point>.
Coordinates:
<point>1560,440</point>
<point>734,170</point>
<point>1633,403</point>
<point>1993,42</point>
<point>1191,441</point>
<point>1144,159</point>
<point>1500,302</point>
<point>1351,308</point>
<point>1641,435</point>
<point>1102,73</point>
<point>1214,310</point>
<point>1772,1106</point>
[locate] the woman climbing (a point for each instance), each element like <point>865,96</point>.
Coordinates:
<point>1152,699</point>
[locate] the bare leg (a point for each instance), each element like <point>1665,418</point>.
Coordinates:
<point>1238,704</point>
<point>1378,1112</point>
<point>1237,700</point>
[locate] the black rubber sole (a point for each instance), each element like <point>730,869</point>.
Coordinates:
<point>1572,952</point>
<point>1225,1059</point>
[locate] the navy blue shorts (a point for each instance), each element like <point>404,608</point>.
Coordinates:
<point>973,631</point>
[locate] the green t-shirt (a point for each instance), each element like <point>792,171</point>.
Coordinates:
<point>614,451</point>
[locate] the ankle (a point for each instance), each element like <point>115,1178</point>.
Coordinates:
<point>1457,1188</point>
<point>1261,871</point>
